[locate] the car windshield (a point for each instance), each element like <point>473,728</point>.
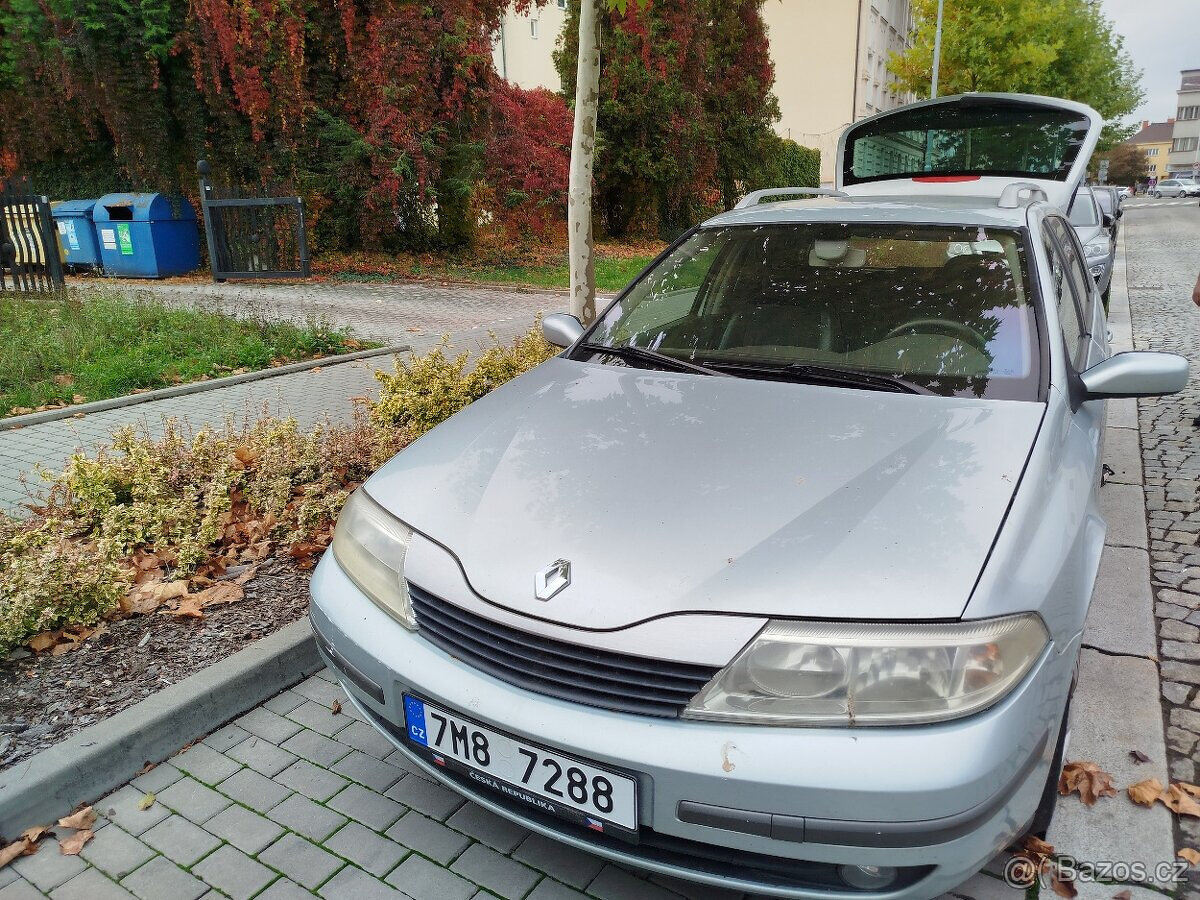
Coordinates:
<point>1083,210</point>
<point>986,137</point>
<point>944,308</point>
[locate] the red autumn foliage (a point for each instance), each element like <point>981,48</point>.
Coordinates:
<point>527,162</point>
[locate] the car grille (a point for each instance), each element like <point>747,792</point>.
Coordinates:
<point>602,678</point>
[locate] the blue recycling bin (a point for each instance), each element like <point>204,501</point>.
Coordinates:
<point>76,232</point>
<point>146,235</point>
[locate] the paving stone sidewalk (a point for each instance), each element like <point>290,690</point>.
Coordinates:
<point>291,800</point>
<point>311,396</point>
<point>396,312</point>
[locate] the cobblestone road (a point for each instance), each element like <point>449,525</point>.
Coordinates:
<point>1163,245</point>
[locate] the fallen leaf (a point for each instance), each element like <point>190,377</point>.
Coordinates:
<point>1190,788</point>
<point>1123,895</point>
<point>76,399</point>
<point>146,802</point>
<point>64,380</point>
<point>246,456</point>
<point>72,845</point>
<point>1037,846</point>
<point>19,847</point>
<point>35,833</point>
<point>190,607</point>
<point>1088,779</point>
<point>1138,757</point>
<point>1180,802</point>
<point>221,592</point>
<point>146,768</point>
<point>336,708</point>
<point>83,819</point>
<point>1191,855</point>
<point>43,641</point>
<point>1145,793</point>
<point>1063,885</point>
<point>60,649</point>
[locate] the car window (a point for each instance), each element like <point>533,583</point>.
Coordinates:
<point>1069,297</point>
<point>1105,199</point>
<point>946,308</point>
<point>1083,210</point>
<point>986,137</point>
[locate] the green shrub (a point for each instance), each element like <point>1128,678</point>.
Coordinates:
<point>786,164</point>
<point>429,389</point>
<point>49,580</point>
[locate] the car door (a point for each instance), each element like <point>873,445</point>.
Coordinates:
<point>1084,330</point>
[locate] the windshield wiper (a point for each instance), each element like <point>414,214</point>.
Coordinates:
<point>641,354</point>
<point>818,374</point>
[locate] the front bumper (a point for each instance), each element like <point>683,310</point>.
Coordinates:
<point>937,802</point>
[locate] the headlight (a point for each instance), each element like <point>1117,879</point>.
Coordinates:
<point>1097,249</point>
<point>369,544</point>
<point>828,673</point>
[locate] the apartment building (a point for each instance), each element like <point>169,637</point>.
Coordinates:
<point>524,46</point>
<point>1184,157</point>
<point>823,84</point>
<point>1154,139</point>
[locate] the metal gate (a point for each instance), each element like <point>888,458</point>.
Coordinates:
<point>252,237</point>
<point>30,255</point>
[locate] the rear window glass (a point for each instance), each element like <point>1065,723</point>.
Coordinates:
<point>986,137</point>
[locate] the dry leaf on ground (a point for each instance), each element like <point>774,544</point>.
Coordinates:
<point>189,606</point>
<point>1145,793</point>
<point>1062,884</point>
<point>1088,779</point>
<point>81,820</point>
<point>146,802</point>
<point>336,707</point>
<point>1190,788</point>
<point>72,845</point>
<point>1123,895</point>
<point>1191,855</point>
<point>1180,802</point>
<point>26,845</point>
<point>36,833</point>
<point>1138,757</point>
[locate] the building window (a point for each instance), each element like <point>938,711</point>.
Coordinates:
<point>533,28</point>
<point>1189,112</point>
<point>562,4</point>
<point>1182,145</point>
<point>1152,151</point>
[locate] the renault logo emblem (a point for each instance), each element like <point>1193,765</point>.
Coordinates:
<point>552,579</point>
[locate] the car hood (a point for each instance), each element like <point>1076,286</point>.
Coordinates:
<point>676,492</point>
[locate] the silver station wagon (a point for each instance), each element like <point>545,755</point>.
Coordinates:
<point>775,578</point>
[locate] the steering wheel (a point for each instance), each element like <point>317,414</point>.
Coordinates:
<point>942,326</point>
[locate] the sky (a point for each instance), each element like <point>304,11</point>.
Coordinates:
<point>1162,36</point>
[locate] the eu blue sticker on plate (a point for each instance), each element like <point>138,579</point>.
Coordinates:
<point>414,720</point>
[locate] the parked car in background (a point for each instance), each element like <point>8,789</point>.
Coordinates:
<point>1110,204</point>
<point>1124,193</point>
<point>1095,230</point>
<point>1176,187</point>
<point>774,579</point>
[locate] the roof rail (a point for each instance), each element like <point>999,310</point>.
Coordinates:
<point>1020,193</point>
<point>756,197</point>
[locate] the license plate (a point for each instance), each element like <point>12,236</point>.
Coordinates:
<point>561,785</point>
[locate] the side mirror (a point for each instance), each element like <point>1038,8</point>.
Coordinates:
<point>1136,373</point>
<point>561,330</point>
<point>1108,220</point>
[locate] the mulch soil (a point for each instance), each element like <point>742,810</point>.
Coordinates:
<point>46,698</point>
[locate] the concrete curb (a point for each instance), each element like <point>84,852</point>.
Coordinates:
<point>195,387</point>
<point>104,756</point>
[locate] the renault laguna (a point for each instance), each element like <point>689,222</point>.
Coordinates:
<point>775,578</point>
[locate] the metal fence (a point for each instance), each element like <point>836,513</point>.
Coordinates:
<point>30,256</point>
<point>252,237</point>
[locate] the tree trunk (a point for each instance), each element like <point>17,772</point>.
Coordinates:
<point>583,151</point>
